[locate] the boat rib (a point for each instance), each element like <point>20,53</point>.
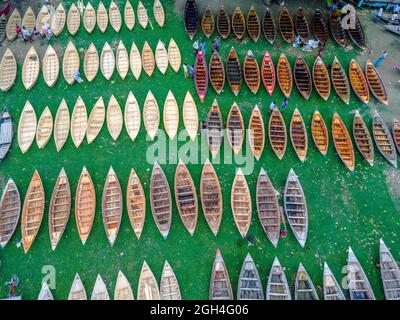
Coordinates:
<point>284,74</point>
<point>235,128</point>
<point>249,286</point>
<point>136,203</point>
<point>241,203</point>
<point>217,72</point>
<point>362,138</point>
<point>302,77</point>
<point>234,72</point>
<point>214,129</point>
<point>321,79</point>
<point>358,81</point>
<point>286,25</point>
<point>277,286</point>
<point>238,23</point>
<point>10,208</point>
<point>383,139</point>
<point>390,273</point>
<point>256,132</point>
<point>375,82</point>
<point>277,133</point>
<point>340,81</point>
<point>342,142</point>
<point>169,286</point>
<point>298,135</point>
<point>304,287</point>
<point>358,283</point>
<point>223,23</point>
<point>319,133</point>
<point>220,285</point>
<point>251,72</point>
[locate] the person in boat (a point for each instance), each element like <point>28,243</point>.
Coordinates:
<point>77,76</point>
<point>272,107</point>
<point>379,61</point>
<point>195,47</point>
<point>185,70</point>
<point>285,103</point>
<point>203,47</point>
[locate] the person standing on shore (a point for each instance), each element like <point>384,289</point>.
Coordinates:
<point>379,61</point>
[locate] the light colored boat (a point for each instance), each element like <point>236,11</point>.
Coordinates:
<point>43,18</point>
<point>89,18</point>
<point>96,120</point>
<point>277,286</point>
<point>115,16</point>
<point>10,209</point>
<point>298,135</point>
<point>383,139</point>
<point>151,115</point>
<point>91,63</point>
<point>136,203</point>
<point>100,290</point>
<point>132,117</point>
<point>174,55</point>
<point>107,61</point>
<point>114,118</point>
<point>6,133</point>
<point>159,15</point>
<point>45,292</point>
<point>359,286</point>
<point>169,286</point>
<point>161,57</point>
<point>390,273</point>
<point>30,69</point>
<point>51,66</point>
<point>235,128</point>
<point>220,285</point>
<point>190,116</point>
<point>256,133</point>
<point>44,128</point>
<point>143,18</point>
<point>171,115</point>
<point>8,70</point>
<point>61,125</point>
<point>13,20</point>
<point>148,61</point>
<point>123,290</point>
<point>29,19</point>
<point>79,122</point>
<point>129,15</point>
<point>73,20</point>
<point>332,290</point>
<point>148,287</point>
<point>102,17</point>
<point>304,287</point>
<point>27,127</point>
<point>71,63</point>
<point>135,61</point>
<point>249,286</point>
<point>122,60</point>
<point>241,203</point>
<point>77,291</point>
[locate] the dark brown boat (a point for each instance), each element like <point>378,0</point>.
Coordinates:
<point>191,18</point>
<point>383,139</point>
<point>301,24</point>
<point>234,71</point>
<point>268,73</point>
<point>358,81</point>
<point>238,23</point>
<point>253,24</point>
<point>217,72</point>
<point>251,72</point>
<point>235,128</point>
<point>320,27</point>
<point>268,27</point>
<point>302,77</point>
<point>286,26</point>
<point>396,133</point>
<point>375,82</point>
<point>284,74</point>
<point>277,133</point>
<point>256,133</point>
<point>214,129</point>
<point>337,31</point>
<point>298,135</point>
<point>319,133</point>
<point>208,22</point>
<point>363,139</point>
<point>342,142</point>
<point>223,23</point>
<point>321,79</point>
<point>357,34</point>
<point>340,81</point>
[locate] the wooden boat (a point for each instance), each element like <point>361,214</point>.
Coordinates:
<point>8,70</point>
<point>43,18</point>
<point>358,81</point>
<point>44,128</point>
<point>186,197</point>
<point>235,128</point>
<point>30,69</point>
<point>277,286</point>
<point>362,138</point>
<point>321,79</point>
<point>383,139</point>
<point>29,19</point>
<point>71,63</point>
<point>148,61</point>
<point>174,55</point>
<point>89,18</point>
<point>77,291</point>
<point>390,273</point>
<point>161,57</point>
<point>191,18</point>
<point>251,72</point>
<point>6,133</point>
<point>208,22</point>
<point>190,116</point>
<point>253,24</point>
<point>169,286</point>
<point>214,129</point>
<point>85,205</point>
<point>73,20</point>
<point>51,66</point>
<point>217,72</point>
<point>268,27</point>
<point>115,16</point>
<point>27,127</point>
<point>148,287</point>
<point>60,208</point>
<point>129,15</point>
<point>277,133</point>
<point>392,28</point>
<point>135,61</point>
<point>238,23</point>
<point>223,23</point>
<point>45,293</point>
<point>61,125</point>
<point>332,290</point>
<point>301,25</point>
<point>13,20</point>
<point>143,18</point>
<point>359,287</point>
<point>79,122</point>
<point>132,117</point>
<point>160,200</point>
<point>100,290</point>
<point>319,133</point>
<point>91,63</point>
<point>304,287</point>
<point>114,118</point>
<point>249,286</point>
<point>286,25</point>
<point>107,61</point>
<point>340,81</point>
<point>220,285</point>
<point>375,83</point>
<point>284,74</point>
<point>171,115</point>
<point>159,14</point>
<point>201,76</point>
<point>241,203</point>
<point>102,17</point>
<point>395,133</point>
<point>10,208</point>
<point>151,115</point>
<point>338,32</point>
<point>302,77</point>
<point>122,60</point>
<point>32,211</point>
<point>342,142</point>
<point>268,73</point>
<point>321,30</point>
<point>96,120</point>
<point>3,27</point>
<point>357,35</point>
<point>234,71</point>
<point>211,197</point>
<point>123,290</point>
<point>268,209</point>
<point>298,135</point>
<point>136,203</point>
<point>256,133</point>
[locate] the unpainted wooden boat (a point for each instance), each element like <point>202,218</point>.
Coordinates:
<point>114,118</point>
<point>174,55</point>
<point>171,115</point>
<point>238,23</point>
<point>208,22</point>
<point>77,291</point>
<point>30,69</point>
<point>191,18</point>
<point>340,81</point>
<point>71,63</point>
<point>220,285</point>
<point>161,57</point>
<point>286,25</point>
<point>51,66</point>
<point>89,18</point>
<point>301,25</point>
<point>6,133</point>
<point>249,286</point>
<point>129,15</point>
<point>268,27</point>
<point>383,139</point>
<point>102,17</point>
<point>357,34</point>
<point>234,72</point>
<point>359,286</point>
<point>100,290</point>
<point>45,292</point>
<point>304,287</point>
<point>148,61</point>
<point>169,286</point>
<point>362,138</point>
<point>79,122</point>
<point>251,72</point>
<point>241,203</point>
<point>135,61</point>
<point>235,128</point>
<point>277,133</point>
<point>115,16</point>
<point>298,135</point>
<point>122,60</point>
<point>332,290</point>
<point>8,71</point>
<point>201,76</point>
<point>214,129</point>
<point>44,128</point>
<point>256,132</point>
<point>136,203</point>
<point>61,125</point>
<point>91,63</point>
<point>375,83</point>
<point>223,23</point>
<point>43,18</point>
<point>277,286</point>
<point>284,75</point>
<point>148,287</point>
<point>253,24</point>
<point>123,290</point>
<point>107,61</point>
<point>159,14</point>
<point>217,72</point>
<point>358,81</point>
<point>27,127</point>
<point>390,273</point>
<point>3,27</point>
<point>321,79</point>
<point>190,116</point>
<point>302,77</point>
<point>132,117</point>
<point>143,18</point>
<point>151,115</point>
<point>342,142</point>
<point>395,133</point>
<point>73,20</point>
<point>10,208</point>
<point>29,19</point>
<point>319,133</point>
<point>268,73</point>
<point>320,27</point>
<point>13,20</point>
<point>338,32</point>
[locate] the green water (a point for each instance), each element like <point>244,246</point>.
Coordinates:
<point>344,208</point>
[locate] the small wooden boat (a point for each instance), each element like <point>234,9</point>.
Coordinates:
<point>301,25</point>
<point>321,30</point>
<point>159,14</point>
<point>91,63</point>
<point>284,75</point>
<point>234,71</point>
<point>223,23</point>
<point>302,77</point>
<point>362,138</point>
<point>132,117</point>
<point>85,205</point>
<point>217,72</point>
<point>253,24</point>
<point>135,61</point>
<point>383,139</point>
<point>332,290</point>
<point>151,115</point>
<point>298,135</point>
<point>73,20</point>
<point>174,55</point>
<point>249,286</point>
<point>32,211</point>
<point>358,81</point>
<point>268,73</point>
<point>161,57</point>
<point>214,129</point>
<point>169,286</point>
<point>277,286</point>
<point>238,23</point>
<point>269,211</point>
<point>392,28</point>
<point>338,32</point>
<point>148,61</point>
<point>51,66</point>
<point>29,19</point>
<point>256,132</point>
<point>107,61</point>
<point>171,115</point>
<point>136,203</point>
<point>148,287</point>
<point>342,142</point>
<point>286,25</point>
<point>60,208</point>
<point>6,133</point>
<point>61,125</point>
<point>304,287</point>
<point>160,200</point>
<point>123,290</point>
<point>30,69</point>
<point>357,34</point>
<point>27,127</point>
<point>375,82</point>
<point>201,76</point>
<point>208,22</point>
<point>268,27</point>
<point>129,15</point>
<point>319,133</point>
<point>89,18</point>
<point>241,203</point>
<point>340,81</point>
<point>220,285</point>
<point>190,116</point>
<point>235,128</point>
<point>44,128</point>
<point>191,18</point>
<point>78,122</point>
<point>102,17</point>
<point>13,20</point>
<point>71,63</point>
<point>122,60</point>
<point>277,133</point>
<point>390,273</point>
<point>100,290</point>
<point>143,18</point>
<point>358,283</point>
<point>321,79</point>
<point>251,72</point>
<point>115,16</point>
<point>8,70</point>
<point>10,208</point>
<point>114,118</point>
<point>395,133</point>
<point>43,18</point>
<point>45,293</point>
<point>211,197</point>
<point>77,291</point>
<point>3,27</point>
